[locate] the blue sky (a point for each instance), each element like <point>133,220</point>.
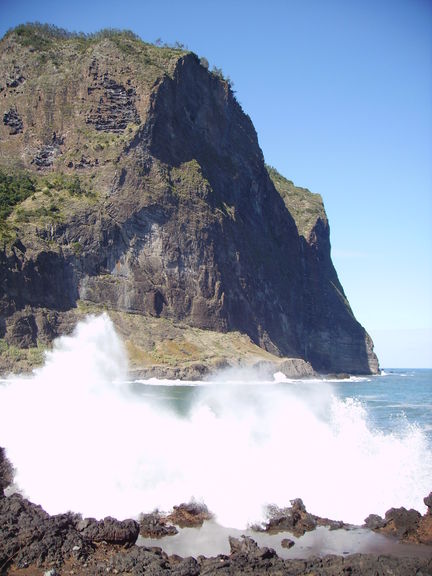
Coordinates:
<point>340,93</point>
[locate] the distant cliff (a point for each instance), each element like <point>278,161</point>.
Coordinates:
<point>131,179</point>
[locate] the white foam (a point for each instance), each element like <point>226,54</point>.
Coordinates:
<point>82,441</point>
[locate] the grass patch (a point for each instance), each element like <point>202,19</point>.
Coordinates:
<point>46,39</point>
<point>34,198</point>
<point>304,206</point>
<point>21,358</point>
<point>187,180</point>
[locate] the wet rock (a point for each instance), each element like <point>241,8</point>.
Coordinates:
<point>154,525</point>
<point>6,472</point>
<point>407,525</point>
<point>109,530</point>
<point>13,120</point>
<point>192,371</point>
<point>287,543</point>
<point>374,522</point>
<point>338,376</point>
<point>185,567</point>
<point>248,547</point>
<point>294,519</point>
<point>424,531</point>
<point>189,515</point>
<point>246,558</point>
<point>401,522</point>
<point>296,368</point>
<point>332,524</point>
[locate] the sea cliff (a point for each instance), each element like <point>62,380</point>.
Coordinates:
<point>131,180</point>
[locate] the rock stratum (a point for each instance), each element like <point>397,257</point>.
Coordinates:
<point>131,180</point>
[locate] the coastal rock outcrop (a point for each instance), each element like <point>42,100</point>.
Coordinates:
<point>149,195</point>
<point>295,519</point>
<point>407,525</point>
<point>109,530</point>
<point>33,542</point>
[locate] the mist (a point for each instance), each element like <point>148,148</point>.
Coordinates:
<point>84,438</point>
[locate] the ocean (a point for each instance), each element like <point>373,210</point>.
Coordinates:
<point>84,437</point>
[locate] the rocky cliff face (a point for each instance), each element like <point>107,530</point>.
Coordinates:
<point>149,195</point>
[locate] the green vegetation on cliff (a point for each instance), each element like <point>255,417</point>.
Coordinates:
<point>13,190</point>
<point>304,206</point>
<point>48,40</point>
<point>32,198</point>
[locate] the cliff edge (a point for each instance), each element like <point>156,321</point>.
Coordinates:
<point>132,180</point>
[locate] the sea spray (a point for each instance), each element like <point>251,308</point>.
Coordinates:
<point>84,439</point>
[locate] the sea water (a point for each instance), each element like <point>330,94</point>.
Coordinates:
<point>84,437</point>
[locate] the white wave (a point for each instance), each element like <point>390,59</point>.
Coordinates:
<point>82,440</point>
<point>165,382</point>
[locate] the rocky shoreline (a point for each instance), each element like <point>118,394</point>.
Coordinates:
<point>33,543</point>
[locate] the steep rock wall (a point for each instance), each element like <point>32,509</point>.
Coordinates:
<point>174,214</point>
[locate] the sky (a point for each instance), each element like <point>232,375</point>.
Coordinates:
<point>340,93</point>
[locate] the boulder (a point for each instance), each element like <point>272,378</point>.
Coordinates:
<point>374,522</point>
<point>246,546</point>
<point>294,519</point>
<point>287,543</point>
<point>401,522</point>
<point>296,368</point>
<point>154,525</point>
<point>189,515</point>
<point>110,530</point>
<point>28,535</point>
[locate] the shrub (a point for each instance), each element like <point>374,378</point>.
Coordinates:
<point>13,190</point>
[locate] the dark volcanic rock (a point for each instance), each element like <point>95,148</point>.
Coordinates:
<point>374,522</point>
<point>189,515</point>
<point>48,152</point>
<point>294,519</point>
<point>34,542</point>
<point>109,530</point>
<point>22,330</point>
<point>407,525</point>
<point>15,77</point>
<point>287,543</point>
<point>6,472</point>
<point>154,525</point>
<point>28,535</point>
<point>296,368</point>
<point>115,107</point>
<point>13,120</point>
<point>401,522</point>
<point>246,546</point>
